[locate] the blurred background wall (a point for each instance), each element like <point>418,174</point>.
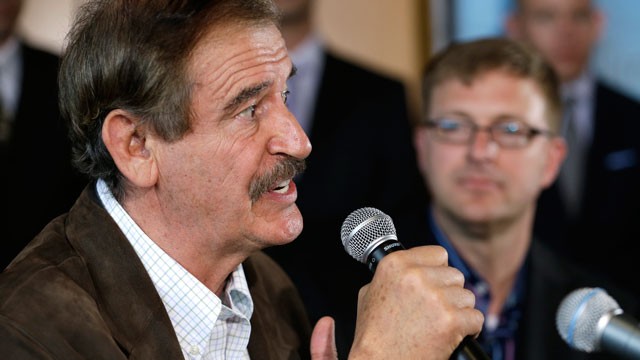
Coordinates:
<point>617,56</point>
<point>45,22</point>
<point>397,36</point>
<point>387,35</point>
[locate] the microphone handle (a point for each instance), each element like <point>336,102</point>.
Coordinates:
<point>381,250</point>
<point>621,336</point>
<point>469,349</point>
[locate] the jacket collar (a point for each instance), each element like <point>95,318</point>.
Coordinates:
<point>126,297</point>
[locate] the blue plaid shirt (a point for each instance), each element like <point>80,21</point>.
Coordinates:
<point>498,338</point>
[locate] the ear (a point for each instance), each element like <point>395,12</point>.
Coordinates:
<point>420,145</point>
<point>128,146</point>
<point>555,158</point>
<point>599,22</point>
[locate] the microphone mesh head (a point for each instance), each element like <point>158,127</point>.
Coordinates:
<point>578,315</point>
<point>361,228</point>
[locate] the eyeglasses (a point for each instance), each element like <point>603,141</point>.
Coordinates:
<point>506,133</point>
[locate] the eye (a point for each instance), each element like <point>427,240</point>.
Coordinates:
<point>543,17</point>
<point>582,16</point>
<point>512,128</point>
<point>285,95</point>
<point>248,112</point>
<point>450,125</point>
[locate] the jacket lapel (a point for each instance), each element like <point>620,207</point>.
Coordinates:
<point>125,294</point>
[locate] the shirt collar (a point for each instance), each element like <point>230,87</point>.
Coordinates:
<point>191,306</point>
<point>473,280</point>
<point>498,335</point>
<point>454,258</point>
<point>581,89</point>
<point>9,50</point>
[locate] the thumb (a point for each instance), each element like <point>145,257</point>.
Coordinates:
<point>323,340</point>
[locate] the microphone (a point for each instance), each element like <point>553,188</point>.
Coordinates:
<point>368,235</point>
<point>590,320</point>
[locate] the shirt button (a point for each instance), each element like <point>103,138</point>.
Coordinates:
<point>194,350</point>
<point>482,288</point>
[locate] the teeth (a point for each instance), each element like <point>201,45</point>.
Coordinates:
<point>282,188</point>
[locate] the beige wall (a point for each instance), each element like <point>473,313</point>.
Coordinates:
<point>388,35</point>
<point>45,22</point>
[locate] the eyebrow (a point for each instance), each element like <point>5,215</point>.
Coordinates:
<point>250,92</point>
<point>246,94</point>
<point>499,117</point>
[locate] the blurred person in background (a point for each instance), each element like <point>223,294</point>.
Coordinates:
<point>37,181</point>
<point>596,199</point>
<point>358,122</point>
<point>488,145</point>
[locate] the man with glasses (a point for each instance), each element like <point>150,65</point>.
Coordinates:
<point>487,146</point>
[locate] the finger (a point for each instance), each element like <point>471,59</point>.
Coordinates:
<point>462,298</point>
<point>426,255</point>
<point>323,340</point>
<point>473,321</point>
<point>443,275</point>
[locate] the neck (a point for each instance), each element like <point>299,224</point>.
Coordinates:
<point>496,250</point>
<point>4,38</point>
<point>208,259</point>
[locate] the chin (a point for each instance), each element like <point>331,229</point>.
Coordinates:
<point>293,227</point>
<point>477,214</point>
<point>287,228</point>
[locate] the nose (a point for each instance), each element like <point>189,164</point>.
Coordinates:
<point>567,25</point>
<point>482,147</point>
<point>289,137</point>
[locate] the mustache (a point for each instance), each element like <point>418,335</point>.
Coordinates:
<point>287,168</point>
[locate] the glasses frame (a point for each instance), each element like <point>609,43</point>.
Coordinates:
<point>495,131</point>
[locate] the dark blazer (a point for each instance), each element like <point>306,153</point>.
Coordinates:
<point>38,181</point>
<point>550,278</point>
<point>604,234</point>
<point>362,156</point>
<point>79,291</point>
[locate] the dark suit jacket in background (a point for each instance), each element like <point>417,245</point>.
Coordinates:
<point>79,291</point>
<point>551,277</point>
<point>362,156</point>
<point>606,234</point>
<point>38,181</point>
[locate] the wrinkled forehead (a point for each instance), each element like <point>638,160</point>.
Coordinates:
<point>236,58</point>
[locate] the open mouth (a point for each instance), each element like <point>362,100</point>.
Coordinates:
<point>282,187</point>
<point>278,180</point>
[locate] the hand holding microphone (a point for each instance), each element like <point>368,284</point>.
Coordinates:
<point>416,305</point>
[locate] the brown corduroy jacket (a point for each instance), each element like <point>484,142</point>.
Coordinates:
<point>79,291</point>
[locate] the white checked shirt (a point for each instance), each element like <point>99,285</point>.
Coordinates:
<point>207,328</point>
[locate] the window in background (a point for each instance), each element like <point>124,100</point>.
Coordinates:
<point>617,57</point>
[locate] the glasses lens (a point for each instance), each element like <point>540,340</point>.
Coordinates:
<point>453,130</point>
<point>510,133</point>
